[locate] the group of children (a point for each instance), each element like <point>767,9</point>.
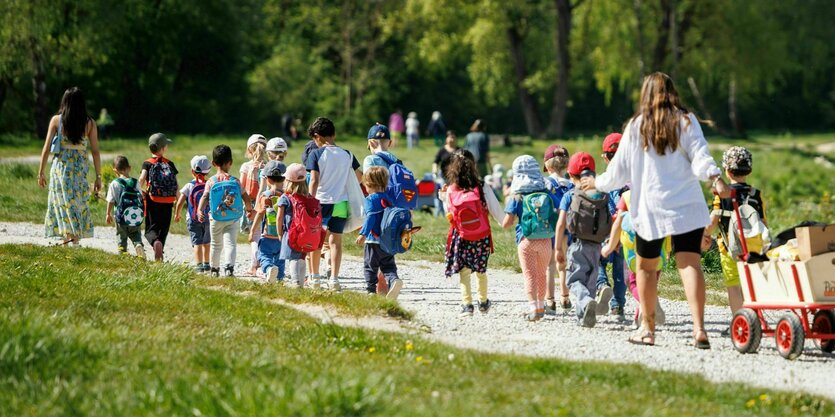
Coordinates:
<point>293,213</point>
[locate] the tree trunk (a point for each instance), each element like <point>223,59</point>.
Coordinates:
<point>530,109</point>
<point>4,91</point>
<point>556,126</point>
<point>733,115</point>
<point>660,52</point>
<point>703,108</point>
<point>636,6</point>
<point>41,112</point>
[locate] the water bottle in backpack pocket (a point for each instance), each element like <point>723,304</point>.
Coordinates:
<point>469,213</point>
<point>225,199</point>
<point>539,216</point>
<point>588,217</point>
<point>197,189</point>
<point>396,230</point>
<point>130,210</point>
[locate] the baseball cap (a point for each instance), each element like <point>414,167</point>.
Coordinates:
<point>610,144</point>
<point>200,164</point>
<point>580,162</point>
<point>379,131</point>
<point>159,140</point>
<point>276,145</point>
<point>295,173</point>
<point>553,151</point>
<point>274,169</point>
<point>737,158</point>
<point>256,138</point>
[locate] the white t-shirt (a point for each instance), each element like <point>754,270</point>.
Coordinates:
<point>412,126</point>
<point>335,166</point>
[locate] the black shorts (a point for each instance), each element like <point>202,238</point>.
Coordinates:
<point>685,242</point>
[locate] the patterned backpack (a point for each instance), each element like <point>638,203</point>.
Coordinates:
<point>162,183</point>
<point>194,201</point>
<point>539,216</point>
<point>225,199</point>
<point>130,209</point>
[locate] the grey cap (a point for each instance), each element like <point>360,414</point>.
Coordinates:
<point>200,164</point>
<point>274,169</point>
<point>159,140</point>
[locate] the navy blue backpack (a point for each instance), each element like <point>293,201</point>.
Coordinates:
<point>402,187</point>
<point>396,230</point>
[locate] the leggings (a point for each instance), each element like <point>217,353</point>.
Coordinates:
<point>466,286</point>
<point>534,257</point>
<point>224,235</point>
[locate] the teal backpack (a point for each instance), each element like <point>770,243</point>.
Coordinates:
<point>539,216</point>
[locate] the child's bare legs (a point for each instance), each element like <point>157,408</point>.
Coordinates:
<point>735,298</point>
<point>203,255</point>
<point>335,241</point>
<point>551,284</point>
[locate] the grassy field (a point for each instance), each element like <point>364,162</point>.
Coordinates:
<point>795,186</point>
<point>87,333</point>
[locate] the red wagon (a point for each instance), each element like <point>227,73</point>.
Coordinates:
<point>801,292</point>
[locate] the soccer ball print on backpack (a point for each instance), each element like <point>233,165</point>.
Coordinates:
<point>589,219</point>
<point>225,199</point>
<point>469,214</point>
<point>194,201</point>
<point>402,187</point>
<point>305,233</point>
<point>162,183</point>
<point>539,216</point>
<point>130,211</point>
<point>396,230</point>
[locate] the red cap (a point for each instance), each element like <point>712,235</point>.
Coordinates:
<point>580,162</point>
<point>553,151</point>
<point>610,144</point>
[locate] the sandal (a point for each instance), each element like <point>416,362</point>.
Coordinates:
<point>565,302</point>
<point>701,343</point>
<point>646,338</point>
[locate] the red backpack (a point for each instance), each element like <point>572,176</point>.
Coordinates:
<point>469,214</point>
<point>305,233</point>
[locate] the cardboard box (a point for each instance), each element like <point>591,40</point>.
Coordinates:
<point>814,240</point>
<point>774,281</point>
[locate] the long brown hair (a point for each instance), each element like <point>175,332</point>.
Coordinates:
<point>74,116</point>
<point>661,111</point>
<point>462,171</point>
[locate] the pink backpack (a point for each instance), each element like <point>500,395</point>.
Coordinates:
<point>305,233</point>
<point>469,214</point>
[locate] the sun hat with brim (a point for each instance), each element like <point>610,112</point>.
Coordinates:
<point>276,145</point>
<point>295,173</point>
<point>256,138</point>
<point>200,164</point>
<point>527,177</point>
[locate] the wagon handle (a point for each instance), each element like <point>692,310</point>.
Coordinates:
<point>739,226</point>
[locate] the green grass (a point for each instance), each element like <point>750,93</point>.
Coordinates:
<point>86,333</point>
<point>794,186</point>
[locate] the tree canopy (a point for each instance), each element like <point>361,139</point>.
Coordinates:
<point>536,67</point>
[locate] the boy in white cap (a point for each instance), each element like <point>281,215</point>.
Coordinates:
<point>190,194</point>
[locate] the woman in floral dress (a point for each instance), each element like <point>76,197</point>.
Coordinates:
<point>67,213</point>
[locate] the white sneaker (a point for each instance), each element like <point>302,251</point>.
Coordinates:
<point>334,284</point>
<point>272,273</point>
<point>140,250</point>
<point>394,289</point>
<point>315,282</point>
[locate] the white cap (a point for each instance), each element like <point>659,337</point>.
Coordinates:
<point>256,138</point>
<point>200,164</point>
<point>276,145</point>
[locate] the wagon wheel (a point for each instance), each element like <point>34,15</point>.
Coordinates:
<point>824,322</point>
<point>746,331</point>
<point>790,336</point>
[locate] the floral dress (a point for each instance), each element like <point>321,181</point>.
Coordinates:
<point>67,212</point>
<point>472,254</point>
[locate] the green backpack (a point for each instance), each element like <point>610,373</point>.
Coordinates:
<point>539,216</point>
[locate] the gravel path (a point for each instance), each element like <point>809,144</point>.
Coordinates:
<point>435,300</point>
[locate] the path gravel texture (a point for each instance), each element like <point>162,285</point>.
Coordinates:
<point>435,300</point>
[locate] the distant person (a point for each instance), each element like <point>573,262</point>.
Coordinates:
<point>104,123</point>
<point>436,128</point>
<point>397,127</point>
<point>479,145</point>
<point>69,133</point>
<point>287,125</point>
<point>412,130</point>
<point>440,164</point>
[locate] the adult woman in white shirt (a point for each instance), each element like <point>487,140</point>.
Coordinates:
<point>664,155</point>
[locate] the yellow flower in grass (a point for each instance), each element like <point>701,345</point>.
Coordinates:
<point>409,346</point>
<point>419,359</point>
<point>751,403</point>
<point>372,349</point>
<point>765,398</point>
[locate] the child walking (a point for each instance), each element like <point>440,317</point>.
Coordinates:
<point>227,203</point>
<point>159,178</point>
<point>296,195</point>
<point>738,164</point>
<point>250,172</point>
<point>276,151</point>
<point>265,224</point>
<point>375,259</point>
<point>124,195</point>
<point>190,195</point>
<point>532,205</point>
<point>577,210</point>
<point>618,301</point>
<point>468,200</point>
<point>556,162</point>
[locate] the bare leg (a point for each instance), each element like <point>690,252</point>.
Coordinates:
<point>335,241</point>
<point>648,290</point>
<point>690,268</point>
<point>735,298</point>
<point>205,250</point>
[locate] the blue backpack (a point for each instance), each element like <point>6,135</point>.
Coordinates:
<point>194,201</point>
<point>396,230</point>
<point>539,216</point>
<point>557,191</point>
<point>225,199</point>
<point>402,187</point>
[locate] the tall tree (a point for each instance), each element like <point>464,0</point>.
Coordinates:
<point>563,39</point>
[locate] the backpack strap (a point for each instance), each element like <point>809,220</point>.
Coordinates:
<point>387,159</point>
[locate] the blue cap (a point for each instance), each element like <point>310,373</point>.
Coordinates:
<point>379,131</point>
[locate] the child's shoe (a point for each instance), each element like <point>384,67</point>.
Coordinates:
<point>484,307</point>
<point>535,315</point>
<point>551,307</point>
<point>467,310</point>
<point>394,289</point>
<point>206,267</point>
<point>604,295</point>
<point>214,272</point>
<point>620,317</point>
<point>565,302</point>
<point>158,251</point>
<point>272,273</point>
<point>590,315</point>
<point>333,284</point>
<point>315,282</point>
<point>229,271</point>
<point>140,250</point>
<point>660,316</point>
<point>122,250</point>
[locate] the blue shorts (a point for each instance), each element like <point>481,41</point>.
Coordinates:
<point>332,224</point>
<point>200,233</point>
